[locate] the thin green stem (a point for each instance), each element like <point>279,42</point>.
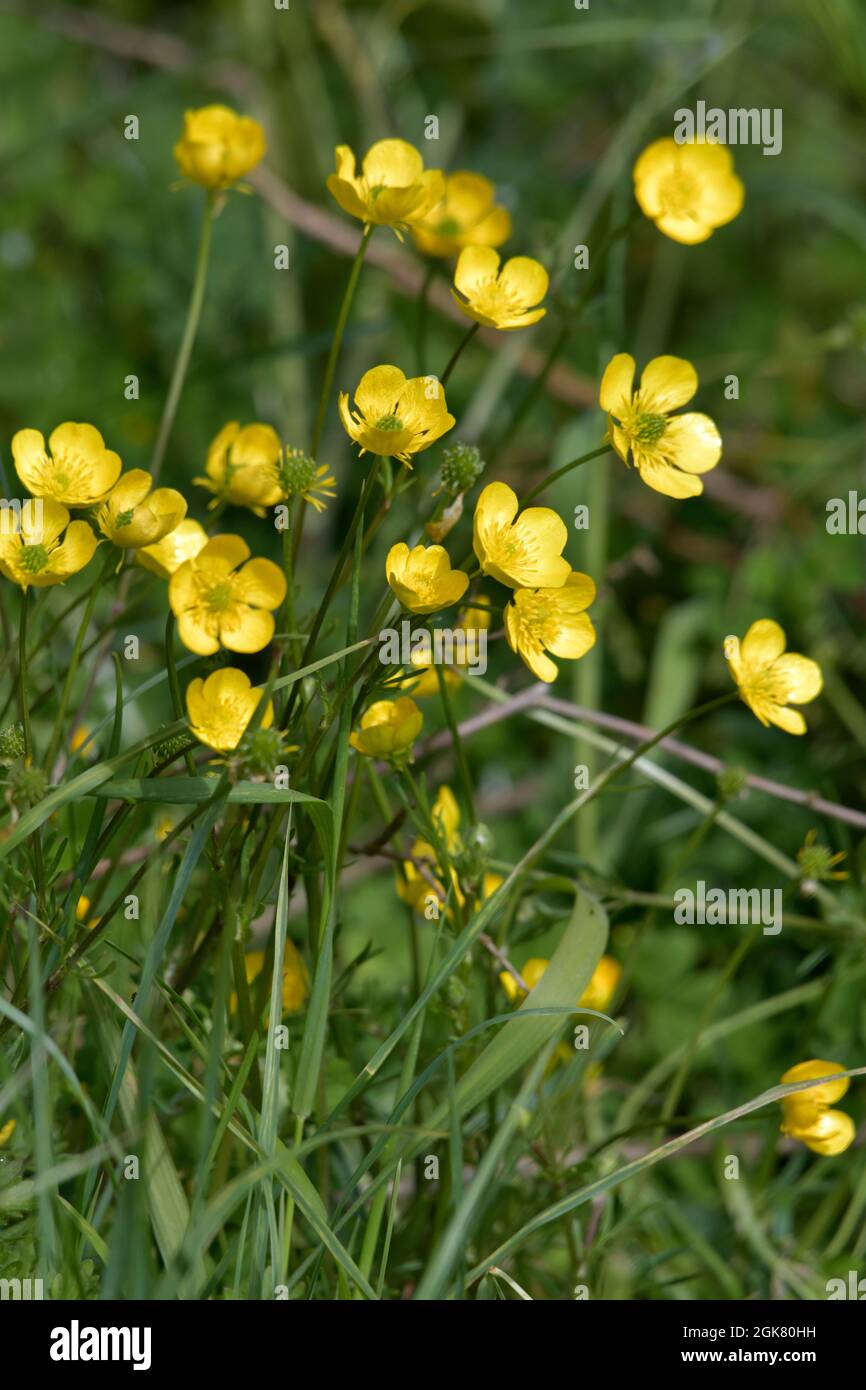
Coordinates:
<point>190,329</point>
<point>337,340</point>
<point>459,750</point>
<point>174,686</point>
<point>74,660</point>
<point>455,356</point>
<point>551,478</point>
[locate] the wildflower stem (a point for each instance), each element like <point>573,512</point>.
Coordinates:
<point>193,315</point>
<point>551,478</point>
<point>334,581</point>
<point>72,670</point>
<point>423,315</point>
<point>459,750</point>
<point>455,356</point>
<point>338,339</point>
<point>38,863</point>
<point>174,685</point>
<point>22,677</point>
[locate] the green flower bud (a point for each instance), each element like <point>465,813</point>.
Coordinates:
<point>11,744</point>
<point>462,465</point>
<point>27,785</point>
<point>297,472</point>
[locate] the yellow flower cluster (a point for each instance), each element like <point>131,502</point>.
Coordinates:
<point>806,1114</point>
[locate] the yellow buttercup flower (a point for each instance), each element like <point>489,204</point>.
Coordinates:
<point>217,604</point>
<point>296,981</point>
<point>76,468</point>
<point>396,416</point>
<point>597,994</point>
<point>388,728</point>
<point>770,679</point>
<point>392,190</point>
<point>506,298</point>
<point>82,907</point>
<point>667,450</point>
<point>468,215</point>
<point>35,555</point>
<point>241,467</point>
<point>221,707</point>
<point>422,578</point>
<point>6,1132</point>
<point>79,736</point>
<point>687,190</point>
<point>807,1115</point>
<point>132,516</point>
<point>180,545</point>
<point>218,146</point>
<point>525,553</point>
<point>551,620</point>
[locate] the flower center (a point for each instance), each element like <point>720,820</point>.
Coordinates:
<point>648,428</point>
<point>33,558</point>
<point>220,596</point>
<point>389,422</point>
<point>448,227</point>
<point>123,518</point>
<point>61,481</point>
<point>679,193</point>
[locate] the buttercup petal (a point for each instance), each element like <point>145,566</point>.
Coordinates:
<point>763,644</point>
<point>617,385</point>
<point>667,383</point>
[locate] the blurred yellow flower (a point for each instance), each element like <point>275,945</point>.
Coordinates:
<point>415,887</point>
<point>422,578</point>
<point>505,298</point>
<point>218,146</point>
<point>807,1115</point>
<point>770,679</point>
<point>35,555</point>
<point>551,620</point>
<point>216,604</point>
<point>525,553</point>
<point>597,994</point>
<point>221,707</point>
<point>181,544</point>
<point>296,982</point>
<point>76,469</point>
<point>388,728</point>
<point>82,913</point>
<point>687,190</point>
<point>667,450</point>
<point>163,828</point>
<point>241,467</point>
<point>395,416</point>
<point>132,516</point>
<point>6,1132</point>
<point>423,680</point>
<point>468,215</point>
<point>393,188</point>
<point>79,736</point>
<point>602,987</point>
